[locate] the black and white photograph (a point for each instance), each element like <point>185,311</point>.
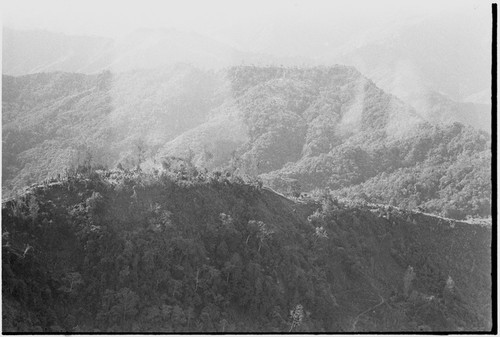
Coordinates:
<point>258,167</point>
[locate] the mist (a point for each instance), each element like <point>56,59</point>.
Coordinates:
<point>165,62</point>
<point>399,45</point>
<point>278,27</point>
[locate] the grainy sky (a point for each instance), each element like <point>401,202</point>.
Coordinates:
<point>214,17</point>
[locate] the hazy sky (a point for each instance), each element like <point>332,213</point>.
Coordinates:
<point>277,27</point>
<point>115,17</point>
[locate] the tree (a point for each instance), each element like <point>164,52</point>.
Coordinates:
<point>297,315</point>
<point>95,205</point>
<point>263,231</point>
<point>33,208</point>
<point>320,232</point>
<point>222,251</point>
<point>72,281</point>
<point>140,149</point>
<point>407,279</point>
<point>125,305</point>
<point>178,317</point>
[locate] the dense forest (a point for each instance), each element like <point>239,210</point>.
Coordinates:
<point>446,170</point>
<point>248,167</point>
<point>183,249</point>
<point>331,127</point>
<point>297,128</point>
<point>55,121</point>
<point>250,199</point>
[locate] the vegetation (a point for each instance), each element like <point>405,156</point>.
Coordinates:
<point>187,233</point>
<point>183,250</point>
<point>57,120</point>
<point>446,171</point>
<point>297,128</point>
<point>331,127</point>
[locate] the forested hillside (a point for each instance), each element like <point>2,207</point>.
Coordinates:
<point>184,250</point>
<point>55,121</point>
<point>331,127</point>
<point>297,128</point>
<point>400,60</point>
<point>230,167</point>
<point>446,170</point>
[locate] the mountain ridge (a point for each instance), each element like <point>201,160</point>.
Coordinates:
<point>338,128</point>
<point>384,60</point>
<point>234,257</point>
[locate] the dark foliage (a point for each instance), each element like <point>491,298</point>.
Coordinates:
<point>183,250</point>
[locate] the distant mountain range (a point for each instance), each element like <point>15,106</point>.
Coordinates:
<point>431,64</point>
<point>27,52</point>
<point>448,55</point>
<point>396,63</point>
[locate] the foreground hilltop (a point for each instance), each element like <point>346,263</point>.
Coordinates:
<point>186,250</point>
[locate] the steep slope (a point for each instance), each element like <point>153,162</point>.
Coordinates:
<point>456,188</point>
<point>299,128</point>
<point>213,143</point>
<point>330,127</point>
<point>439,109</point>
<point>447,170</point>
<point>295,112</point>
<point>182,250</point>
<point>57,120</point>
<point>445,55</point>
